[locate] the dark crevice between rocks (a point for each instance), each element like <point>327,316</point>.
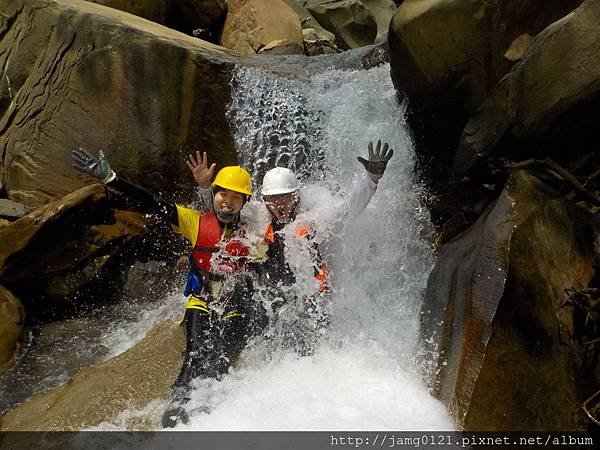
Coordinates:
<point>203,20</point>
<point>455,202</point>
<point>433,126</point>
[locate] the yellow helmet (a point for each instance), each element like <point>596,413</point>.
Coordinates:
<point>235,179</point>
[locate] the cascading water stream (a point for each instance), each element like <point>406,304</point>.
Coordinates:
<point>366,372</point>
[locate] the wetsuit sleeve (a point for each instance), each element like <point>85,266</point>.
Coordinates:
<point>355,203</point>
<point>152,203</point>
<point>206,198</point>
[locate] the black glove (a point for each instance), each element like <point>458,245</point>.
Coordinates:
<point>99,168</point>
<point>378,160</point>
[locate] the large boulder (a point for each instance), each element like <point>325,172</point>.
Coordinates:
<point>382,11</point>
<point>447,56</point>
<point>442,46</point>
<point>317,40</point>
<point>550,96</point>
<point>308,22</point>
<point>12,318</point>
<point>80,74</point>
<point>59,247</point>
<point>98,394</point>
<point>491,310</point>
<point>356,23</point>
<point>252,24</point>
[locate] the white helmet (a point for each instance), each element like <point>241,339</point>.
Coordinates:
<point>279,181</point>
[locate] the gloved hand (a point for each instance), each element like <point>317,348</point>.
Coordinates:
<point>378,160</point>
<point>99,168</point>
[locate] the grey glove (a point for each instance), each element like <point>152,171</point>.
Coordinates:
<point>99,168</point>
<point>378,160</point>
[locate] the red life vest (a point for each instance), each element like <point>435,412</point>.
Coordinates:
<point>208,245</point>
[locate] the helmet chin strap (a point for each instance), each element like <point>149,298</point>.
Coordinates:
<point>227,217</point>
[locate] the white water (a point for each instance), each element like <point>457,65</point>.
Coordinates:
<point>366,374</point>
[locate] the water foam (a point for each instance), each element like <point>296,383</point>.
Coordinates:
<point>367,372</point>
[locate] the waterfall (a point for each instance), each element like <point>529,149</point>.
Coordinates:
<point>367,371</point>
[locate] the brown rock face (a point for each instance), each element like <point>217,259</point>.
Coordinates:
<point>448,55</point>
<point>309,22</point>
<point>12,317</point>
<point>143,373</point>
<point>440,45</point>
<point>79,74</point>
<point>497,288</point>
<point>550,95</point>
<point>382,11</point>
<point>252,24</point>
<point>350,20</point>
<point>65,243</point>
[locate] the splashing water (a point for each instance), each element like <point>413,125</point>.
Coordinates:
<point>366,372</point>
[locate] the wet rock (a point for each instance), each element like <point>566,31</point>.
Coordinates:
<point>308,22</point>
<point>81,74</point>
<point>448,56</point>
<point>491,310</point>
<point>377,56</point>
<point>12,318</point>
<point>59,247</point>
<point>282,47</point>
<point>315,45</point>
<point>11,210</point>
<point>459,45</point>
<point>252,24</point>
<point>98,394</point>
<point>350,20</point>
<point>549,99</point>
<point>382,11</point>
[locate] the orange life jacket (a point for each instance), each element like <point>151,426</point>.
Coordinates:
<point>208,242</point>
<point>320,267</point>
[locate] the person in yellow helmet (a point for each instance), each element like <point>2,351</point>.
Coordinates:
<point>219,313</point>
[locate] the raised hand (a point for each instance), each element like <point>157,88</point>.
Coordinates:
<point>377,162</point>
<point>200,169</point>
<point>87,163</point>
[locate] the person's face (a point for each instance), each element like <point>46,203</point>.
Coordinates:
<point>228,202</point>
<point>282,206</point>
